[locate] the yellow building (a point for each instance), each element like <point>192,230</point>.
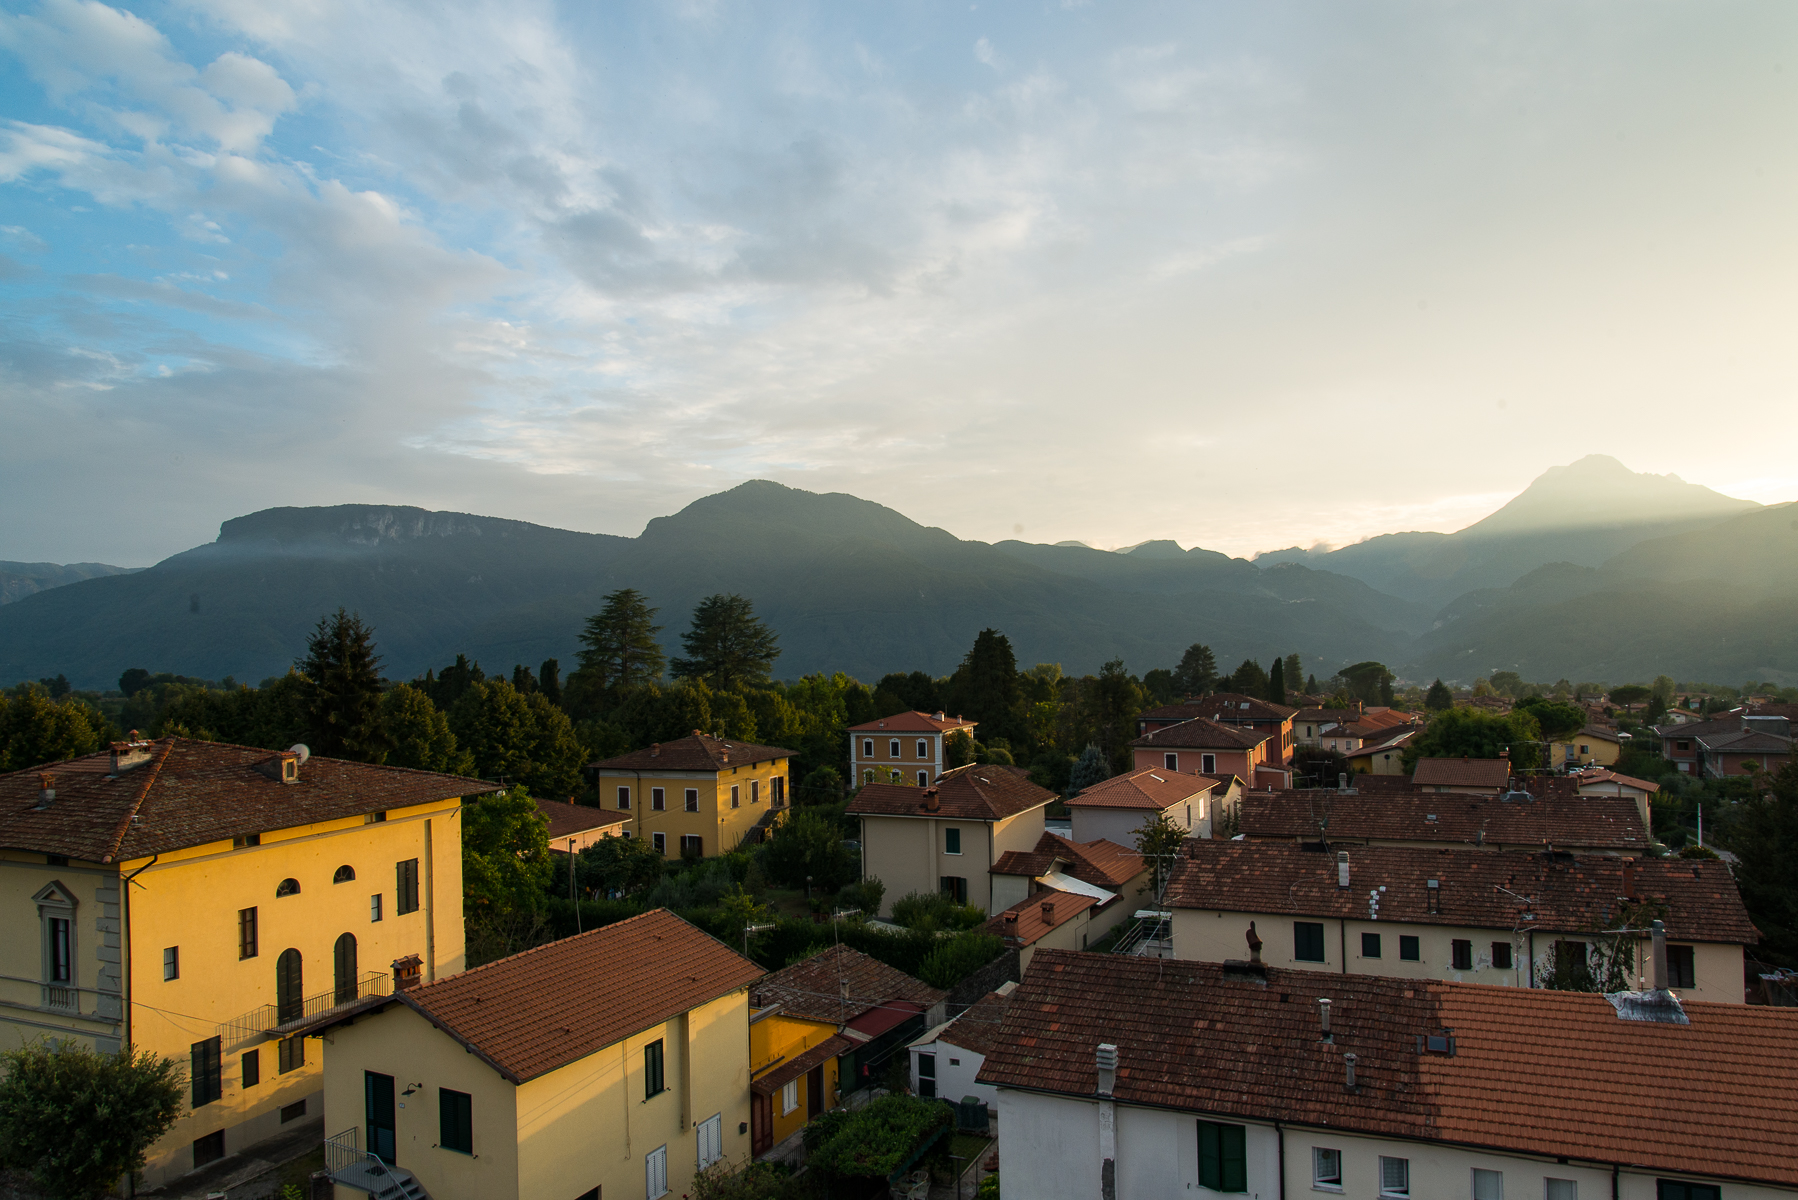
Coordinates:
<point>611,1064</point>
<point>1591,746</point>
<point>905,748</point>
<point>208,903</point>
<point>698,795</point>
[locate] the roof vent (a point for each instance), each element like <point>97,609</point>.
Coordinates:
<point>1348,1063</point>
<point>938,714</point>
<point>1440,1042</point>
<point>1342,868</point>
<point>655,749</point>
<point>1106,1059</point>
<point>1323,1017</point>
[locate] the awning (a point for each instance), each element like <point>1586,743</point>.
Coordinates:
<point>784,1074</point>
<point>1067,883</point>
<point>877,1021</point>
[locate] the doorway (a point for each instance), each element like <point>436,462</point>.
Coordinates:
<point>378,1100</point>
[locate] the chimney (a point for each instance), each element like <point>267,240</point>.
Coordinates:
<point>46,790</point>
<point>406,972</point>
<point>1323,1016</point>
<point>126,755</point>
<point>1049,912</point>
<point>1342,781</point>
<point>1342,869</point>
<point>655,750</point>
<point>1011,924</point>
<point>1349,1061</point>
<point>1107,1061</point>
<point>938,714</point>
<point>1629,879</point>
<point>1254,944</point>
<point>932,803</point>
<point>1660,956</point>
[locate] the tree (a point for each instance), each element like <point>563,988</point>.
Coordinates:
<point>959,957</point>
<point>134,681</point>
<point>986,689</point>
<point>505,853</point>
<point>620,647</point>
<point>1311,685</point>
<point>1557,721</point>
<point>1630,694</point>
<point>1766,839</point>
<point>35,729</point>
<point>78,1119</point>
<point>1506,683</point>
<point>342,690</point>
<point>1369,682</point>
<point>821,786</point>
<point>1439,697</point>
<point>1248,680</point>
<point>1113,700</point>
<point>958,750</point>
<point>1475,733</point>
<point>1158,841</point>
<point>549,681</point>
<point>420,734</point>
<point>1197,672</point>
<point>916,691</point>
<point>518,739</point>
<point>1092,768</point>
<point>1276,682</point>
<point>808,843</point>
<point>1295,672</point>
<point>727,647</point>
<point>1664,688</point>
<point>622,866</point>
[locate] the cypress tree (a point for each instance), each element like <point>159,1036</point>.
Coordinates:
<point>342,690</point>
<point>1276,682</point>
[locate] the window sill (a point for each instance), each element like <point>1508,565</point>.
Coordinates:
<point>1327,1187</point>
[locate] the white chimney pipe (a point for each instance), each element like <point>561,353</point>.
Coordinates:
<point>1342,868</point>
<point>1323,1015</point>
<point>1349,1060</point>
<point>1660,956</point>
<point>1107,1060</point>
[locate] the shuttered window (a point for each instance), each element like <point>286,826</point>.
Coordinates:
<point>1223,1157</point>
<point>406,878</point>
<point>206,1071</point>
<point>455,1121</point>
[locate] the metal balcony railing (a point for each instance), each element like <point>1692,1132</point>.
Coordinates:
<point>271,1019</point>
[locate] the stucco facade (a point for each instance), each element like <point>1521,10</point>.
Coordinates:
<point>716,807</point>
<point>912,853</point>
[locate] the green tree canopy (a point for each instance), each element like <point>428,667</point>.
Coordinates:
<point>619,866</point>
<point>77,1119</point>
<point>1369,682</point>
<point>1439,697</point>
<point>1295,673</point>
<point>1247,680</point>
<point>342,690</point>
<point>34,729</point>
<point>521,739</point>
<point>809,843</point>
<point>1664,688</point>
<point>1630,694</point>
<point>1276,682</point>
<point>505,852</point>
<point>1158,841</point>
<point>1557,721</point>
<point>1093,767</point>
<point>727,646</point>
<point>421,734</point>
<point>985,688</point>
<point>1475,733</point>
<point>1197,672</point>
<point>619,647</point>
<point>1506,683</point>
<point>1765,838</point>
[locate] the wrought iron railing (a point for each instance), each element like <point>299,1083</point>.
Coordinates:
<point>272,1018</point>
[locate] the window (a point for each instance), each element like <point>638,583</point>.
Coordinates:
<point>692,799</point>
<point>954,887</point>
<point>1679,1189</point>
<point>692,845</point>
<point>343,874</point>
<point>711,1141</point>
<point>655,1173</point>
<point>207,1071</point>
<point>658,799</point>
<point>1207,763</point>
<point>246,933</point>
<point>736,795</point>
<point>1461,954</point>
<point>660,842</point>
<point>406,886</point>
<point>209,1149</point>
<point>923,778</point>
<point>755,791</point>
<point>1170,762</point>
<point>1682,970</point>
<point>287,887</point>
<point>1501,955</point>
<point>1308,941</point>
<point>624,797</point>
<point>951,841</point>
<point>171,963</point>
<point>1407,948</point>
<point>893,748</point>
<point>789,1097</point>
<point>1370,945</point>
<point>927,1076</point>
<point>455,1121</point>
<point>1560,1189</point>
<point>777,790</point>
<point>1395,1176</point>
<point>1488,1185</point>
<point>290,1054</point>
<point>374,818</point>
<point>867,776</point>
<point>252,1068</point>
<point>923,748</point>
<point>244,841</point>
<point>1326,1169</point>
<point>290,990</point>
<point>293,1112</point>
<point>59,957</point>
<point>653,1083</point>
<point>867,747</point>
<point>374,907</point>
<point>1223,1157</point>
<point>344,979</point>
<point>895,774</point>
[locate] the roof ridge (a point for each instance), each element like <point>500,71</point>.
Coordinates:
<point>118,837</point>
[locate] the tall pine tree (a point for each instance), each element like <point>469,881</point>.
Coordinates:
<point>727,647</point>
<point>1276,682</point>
<point>1197,672</point>
<point>342,691</point>
<point>619,643</point>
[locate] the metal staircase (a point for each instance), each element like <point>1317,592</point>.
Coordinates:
<point>365,1171</point>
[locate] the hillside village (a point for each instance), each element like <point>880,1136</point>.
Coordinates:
<point>1003,932</point>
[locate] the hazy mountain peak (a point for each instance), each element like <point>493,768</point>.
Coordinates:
<point>1597,491</point>
<point>1158,548</point>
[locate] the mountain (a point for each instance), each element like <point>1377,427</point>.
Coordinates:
<point>1583,513</point>
<point>849,585</point>
<point>18,579</point>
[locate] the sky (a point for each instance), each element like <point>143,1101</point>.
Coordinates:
<point>1244,275</point>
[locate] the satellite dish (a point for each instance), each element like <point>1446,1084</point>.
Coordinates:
<point>300,749</point>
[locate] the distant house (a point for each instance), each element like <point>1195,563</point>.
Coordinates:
<point>1202,746</point>
<point>1475,776</point>
<point>1310,725</point>
<point>1592,746</point>
<point>1734,744</point>
<point>574,827</point>
<point>1049,919</point>
<point>1382,752</point>
<point>946,1060</point>
<point>1597,781</point>
<point>1597,823</point>
<point>1122,1077</point>
<point>596,1065</point>
<point>1123,804</point>
<point>696,796</point>
<point>905,747</point>
<point>946,837</point>
<point>1112,874</point>
<point>1460,914</point>
<point>1234,709</point>
<point>827,1025</point>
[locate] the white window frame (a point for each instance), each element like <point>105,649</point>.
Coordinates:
<point>655,1173</point>
<point>171,963</point>
<point>923,748</point>
<point>1570,1190</point>
<point>1320,1179</point>
<point>1493,1181</point>
<point>55,902</point>
<point>755,791</point>
<point>867,747</point>
<point>893,748</point>
<point>658,799</point>
<point>374,907</point>
<point>1208,764</point>
<point>710,1137</point>
<point>624,797</point>
<point>1403,1165</point>
<point>692,799</point>
<point>789,1097</point>
<point>923,778</point>
<point>736,795</point>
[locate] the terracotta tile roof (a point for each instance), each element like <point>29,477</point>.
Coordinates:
<point>1700,729</point>
<point>1384,742</point>
<point>785,1072</point>
<point>1566,894</point>
<point>1554,1074</point>
<point>1561,787</point>
<point>534,1012</point>
<point>913,722</point>
<point>695,752</point>
<point>1219,706</point>
<point>1151,789</point>
<point>977,792</point>
<point>977,1029</point>
<point>1462,772</point>
<point>1569,822</point>
<point>812,990</point>
<point>1102,863</point>
<point>187,793</point>
<point>565,820</point>
<point>1201,734</point>
<point>1033,924</point>
<point>1747,743</point>
<point>1595,733</point>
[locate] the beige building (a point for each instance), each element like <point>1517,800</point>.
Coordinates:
<point>1465,915</point>
<point>613,1064</point>
<point>697,796</point>
<point>574,827</point>
<point>1117,807</point>
<point>1112,876</point>
<point>948,836</point>
<point>905,748</point>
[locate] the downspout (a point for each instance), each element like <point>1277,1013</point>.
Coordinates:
<point>1342,925</point>
<point>1532,958</point>
<point>1616,1168</point>
<point>1280,1130</point>
<point>125,952</point>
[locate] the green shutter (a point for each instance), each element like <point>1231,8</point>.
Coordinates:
<point>1211,1167</point>
<point>1234,1141</point>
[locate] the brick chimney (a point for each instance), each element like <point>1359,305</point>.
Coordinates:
<point>46,783</point>
<point>932,802</point>
<point>1049,912</point>
<point>655,749</point>
<point>1629,879</point>
<point>406,972</point>
<point>1011,924</point>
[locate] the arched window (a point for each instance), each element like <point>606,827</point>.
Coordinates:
<point>343,964</point>
<point>344,874</point>
<point>287,887</point>
<point>290,990</point>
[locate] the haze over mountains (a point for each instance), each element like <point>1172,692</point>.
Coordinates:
<point>1592,572</point>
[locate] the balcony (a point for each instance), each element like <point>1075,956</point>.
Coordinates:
<point>271,1020</point>
<point>348,1164</point>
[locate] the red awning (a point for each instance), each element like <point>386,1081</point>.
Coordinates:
<point>877,1021</point>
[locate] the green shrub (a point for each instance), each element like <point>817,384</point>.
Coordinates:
<point>959,957</point>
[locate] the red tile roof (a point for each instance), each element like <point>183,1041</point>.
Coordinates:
<point>913,722</point>
<point>1201,734</point>
<point>566,820</point>
<point>1219,706</point>
<point>534,1012</point>
<point>977,792</point>
<point>977,1029</point>
<point>1462,772</point>
<point>695,752</point>
<point>1554,1074</point>
<point>812,989</point>
<point>1102,863</point>
<point>1147,789</point>
<point>1033,922</point>
<point>1571,822</point>
<point>1477,888</point>
<point>188,793</point>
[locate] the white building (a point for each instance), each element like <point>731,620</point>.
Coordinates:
<point>1118,807</point>
<point>1155,1079</point>
<point>945,1061</point>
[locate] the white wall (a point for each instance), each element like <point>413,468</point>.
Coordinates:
<point>955,1071</point>
<point>1120,824</point>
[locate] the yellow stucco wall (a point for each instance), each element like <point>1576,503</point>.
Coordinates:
<point>1586,751</point>
<point>721,826</point>
<point>775,1039</point>
<point>909,854</point>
